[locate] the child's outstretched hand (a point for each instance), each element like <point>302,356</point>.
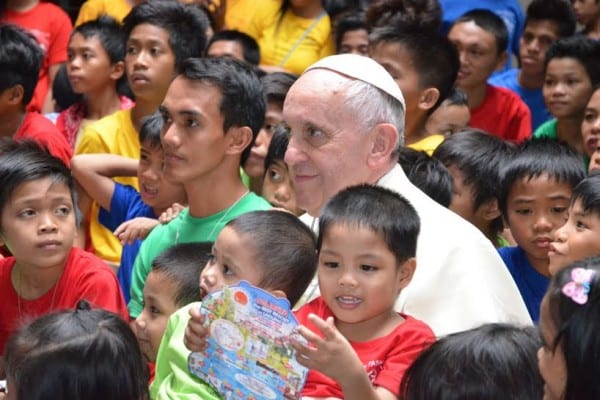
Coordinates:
<point>136,228</point>
<point>196,333</point>
<point>170,213</point>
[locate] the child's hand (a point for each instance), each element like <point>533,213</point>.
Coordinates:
<point>170,213</point>
<point>196,334</point>
<point>137,228</point>
<point>326,354</point>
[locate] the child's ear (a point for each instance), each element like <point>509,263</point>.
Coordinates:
<point>118,69</point>
<point>407,270</point>
<point>240,137</point>
<point>428,98</point>
<point>13,95</point>
<point>489,210</point>
<point>501,60</point>
<point>384,139</point>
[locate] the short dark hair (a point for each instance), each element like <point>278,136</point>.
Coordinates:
<point>72,354</point>
<point>276,85</point>
<point>182,264</point>
<point>588,192</point>
<point>249,46</point>
<point>26,161</point>
<point>434,57</point>
<point>185,23</point>
<point>285,247</point>
<point>428,174</point>
<point>457,97</point>
<point>559,12</point>
<point>278,145</point>
<point>493,362</point>
<point>489,22</point>
<point>409,14</point>
<point>577,328</point>
<point>20,60</point>
<point>479,156</point>
<point>151,129</point>
<point>109,33</point>
<point>537,157</point>
<point>348,23</point>
<point>583,49</point>
<point>242,99</point>
<point>383,211</point>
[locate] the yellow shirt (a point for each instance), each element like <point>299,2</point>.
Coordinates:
<point>277,40</point>
<point>428,144</point>
<point>114,134</point>
<point>239,13</point>
<point>92,9</point>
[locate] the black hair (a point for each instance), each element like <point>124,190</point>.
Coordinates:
<point>457,97</point>
<point>577,328</point>
<point>351,22</point>
<point>428,174</point>
<point>249,46</point>
<point>409,14</point>
<point>108,31</point>
<point>434,57</point>
<point>185,23</point>
<point>538,157</point>
<point>588,193</point>
<point>26,161</point>
<point>489,22</point>
<point>583,49</point>
<point>338,9</point>
<point>62,92</point>
<point>492,362</point>
<point>150,130</point>
<point>242,99</point>
<point>559,12</point>
<point>278,145</point>
<point>276,85</point>
<point>20,60</point>
<point>383,211</point>
<point>285,248</point>
<point>72,354</point>
<point>182,264</point>
<point>479,156</point>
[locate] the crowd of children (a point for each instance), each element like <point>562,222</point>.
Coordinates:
<point>144,165</point>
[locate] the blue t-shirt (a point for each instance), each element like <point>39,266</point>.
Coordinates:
<point>532,97</point>
<point>125,204</point>
<point>531,283</point>
<point>510,11</point>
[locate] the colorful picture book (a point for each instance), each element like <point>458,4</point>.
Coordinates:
<point>249,355</point>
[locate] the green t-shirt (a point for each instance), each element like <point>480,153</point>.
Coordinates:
<point>546,131</point>
<point>183,229</point>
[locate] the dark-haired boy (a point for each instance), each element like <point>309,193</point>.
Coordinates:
<point>424,64</point>
<point>588,15</point>
<point>234,44</point>
<point>546,21</point>
<point>352,35</point>
<point>481,39</point>
<point>160,34</point>
<point>20,62</point>
<point>212,112</point>
<point>536,189</point>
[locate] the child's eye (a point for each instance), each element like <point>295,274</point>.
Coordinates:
<point>132,50</point>
<point>523,211</point>
<point>589,117</point>
<point>191,123</point>
<point>154,310</point>
<point>87,55</point>
<point>274,175</point>
<point>580,225</point>
<point>27,213</point>
<point>155,51</point>
<point>331,264</point>
<point>227,270</point>
<point>368,268</point>
<point>559,210</point>
<point>63,211</point>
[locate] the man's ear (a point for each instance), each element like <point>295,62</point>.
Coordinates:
<point>240,137</point>
<point>118,69</point>
<point>384,139</point>
<point>501,60</point>
<point>428,99</point>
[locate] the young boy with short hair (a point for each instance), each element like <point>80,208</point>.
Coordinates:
<point>234,44</point>
<point>352,35</point>
<point>95,67</point>
<point>571,72</point>
<point>20,62</point>
<point>546,21</point>
<point>481,39</point>
<point>579,237</point>
<point>474,159</point>
<point>451,116</point>
<point>537,184</point>
<point>212,112</point>
<point>366,247</point>
<point>424,64</point>
<point>160,35</point>
<point>130,214</point>
<point>588,15</point>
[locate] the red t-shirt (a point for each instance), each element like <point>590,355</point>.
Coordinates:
<point>52,27</point>
<point>385,359</point>
<point>503,114</point>
<point>85,277</point>
<point>39,128</point>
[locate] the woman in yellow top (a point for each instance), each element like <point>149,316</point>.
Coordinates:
<point>292,34</point>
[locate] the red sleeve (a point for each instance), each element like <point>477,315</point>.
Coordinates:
<point>39,128</point>
<point>521,124</point>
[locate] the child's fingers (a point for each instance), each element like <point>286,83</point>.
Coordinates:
<point>326,327</point>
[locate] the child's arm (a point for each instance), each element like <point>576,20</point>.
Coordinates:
<point>136,228</point>
<point>326,354</point>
